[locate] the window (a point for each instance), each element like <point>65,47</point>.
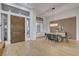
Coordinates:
<point>15,10</point>
<point>39,27</point>
<point>28,27</point>
<point>4,18</point>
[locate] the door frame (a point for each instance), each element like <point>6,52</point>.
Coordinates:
<point>11,13</point>
<point>9,30</point>
<point>9,23</point>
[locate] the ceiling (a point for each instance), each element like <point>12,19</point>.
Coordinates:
<point>42,8</point>
<point>45,9</point>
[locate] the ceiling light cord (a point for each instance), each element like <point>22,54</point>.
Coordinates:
<point>52,11</point>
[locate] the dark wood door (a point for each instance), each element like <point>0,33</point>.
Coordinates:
<point>17,29</point>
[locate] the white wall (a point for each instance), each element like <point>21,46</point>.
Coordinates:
<point>0,27</point>
<point>65,14</point>
<point>33,25</point>
<point>0,22</point>
<point>46,25</point>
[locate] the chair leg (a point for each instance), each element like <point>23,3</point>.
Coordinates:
<point>66,39</point>
<point>46,37</point>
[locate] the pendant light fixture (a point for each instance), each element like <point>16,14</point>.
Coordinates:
<point>54,24</point>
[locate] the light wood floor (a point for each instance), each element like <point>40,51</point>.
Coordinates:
<point>42,47</point>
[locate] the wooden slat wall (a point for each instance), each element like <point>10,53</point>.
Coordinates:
<point>69,25</point>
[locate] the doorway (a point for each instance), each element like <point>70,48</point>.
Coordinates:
<point>17,29</point>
